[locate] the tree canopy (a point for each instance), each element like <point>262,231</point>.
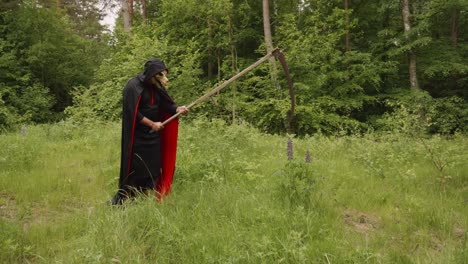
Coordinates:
<point>352,61</point>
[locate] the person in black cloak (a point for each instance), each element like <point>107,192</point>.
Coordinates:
<point>144,100</point>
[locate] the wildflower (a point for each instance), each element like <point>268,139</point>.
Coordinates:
<point>290,149</point>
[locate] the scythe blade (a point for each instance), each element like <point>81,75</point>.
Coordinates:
<point>280,56</point>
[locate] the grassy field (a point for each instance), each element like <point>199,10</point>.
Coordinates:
<point>236,199</point>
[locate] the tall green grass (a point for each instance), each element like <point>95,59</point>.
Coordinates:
<point>236,199</point>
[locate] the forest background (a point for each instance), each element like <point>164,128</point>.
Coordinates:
<point>357,66</point>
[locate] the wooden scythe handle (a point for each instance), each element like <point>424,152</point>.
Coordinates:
<point>276,52</point>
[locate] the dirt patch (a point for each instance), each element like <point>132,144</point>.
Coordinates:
<point>361,222</point>
<point>26,215</point>
<point>436,243</point>
<point>7,206</point>
<point>458,232</point>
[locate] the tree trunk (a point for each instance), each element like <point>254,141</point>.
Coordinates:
<point>234,71</point>
<point>218,57</point>
<point>269,41</point>
<point>126,16</point>
<point>348,37</point>
<point>405,13</point>
<point>266,25</point>
<point>130,12</point>
<point>143,11</point>
<point>210,49</point>
<point>412,70</point>
<point>454,26</point>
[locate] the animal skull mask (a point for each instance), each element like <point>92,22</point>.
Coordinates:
<point>161,79</point>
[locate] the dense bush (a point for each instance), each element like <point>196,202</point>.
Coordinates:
<point>422,114</point>
<point>42,57</point>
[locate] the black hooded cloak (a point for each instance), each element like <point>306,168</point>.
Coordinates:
<point>132,95</point>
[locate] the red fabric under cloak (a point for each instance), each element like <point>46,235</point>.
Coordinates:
<point>168,155</point>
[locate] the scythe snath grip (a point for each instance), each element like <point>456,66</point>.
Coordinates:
<point>280,56</point>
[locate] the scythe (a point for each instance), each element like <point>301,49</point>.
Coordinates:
<point>280,56</point>
<point>170,131</point>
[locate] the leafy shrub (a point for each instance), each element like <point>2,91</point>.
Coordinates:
<point>420,113</point>
<point>299,186</point>
<point>102,99</point>
<point>448,115</point>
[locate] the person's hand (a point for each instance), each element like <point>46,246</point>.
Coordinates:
<point>182,109</point>
<point>156,126</point>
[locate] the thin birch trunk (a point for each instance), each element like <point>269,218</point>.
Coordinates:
<point>269,41</point>
<point>405,12</point>
<point>126,16</point>
<point>234,70</point>
<point>454,26</point>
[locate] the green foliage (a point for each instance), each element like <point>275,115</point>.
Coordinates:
<point>332,87</point>
<point>419,114</point>
<point>16,108</point>
<point>102,99</point>
<point>41,60</point>
<point>86,15</point>
<point>300,187</point>
<point>346,64</point>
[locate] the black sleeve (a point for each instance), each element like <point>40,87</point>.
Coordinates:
<point>167,103</point>
<point>139,117</point>
<point>171,108</point>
